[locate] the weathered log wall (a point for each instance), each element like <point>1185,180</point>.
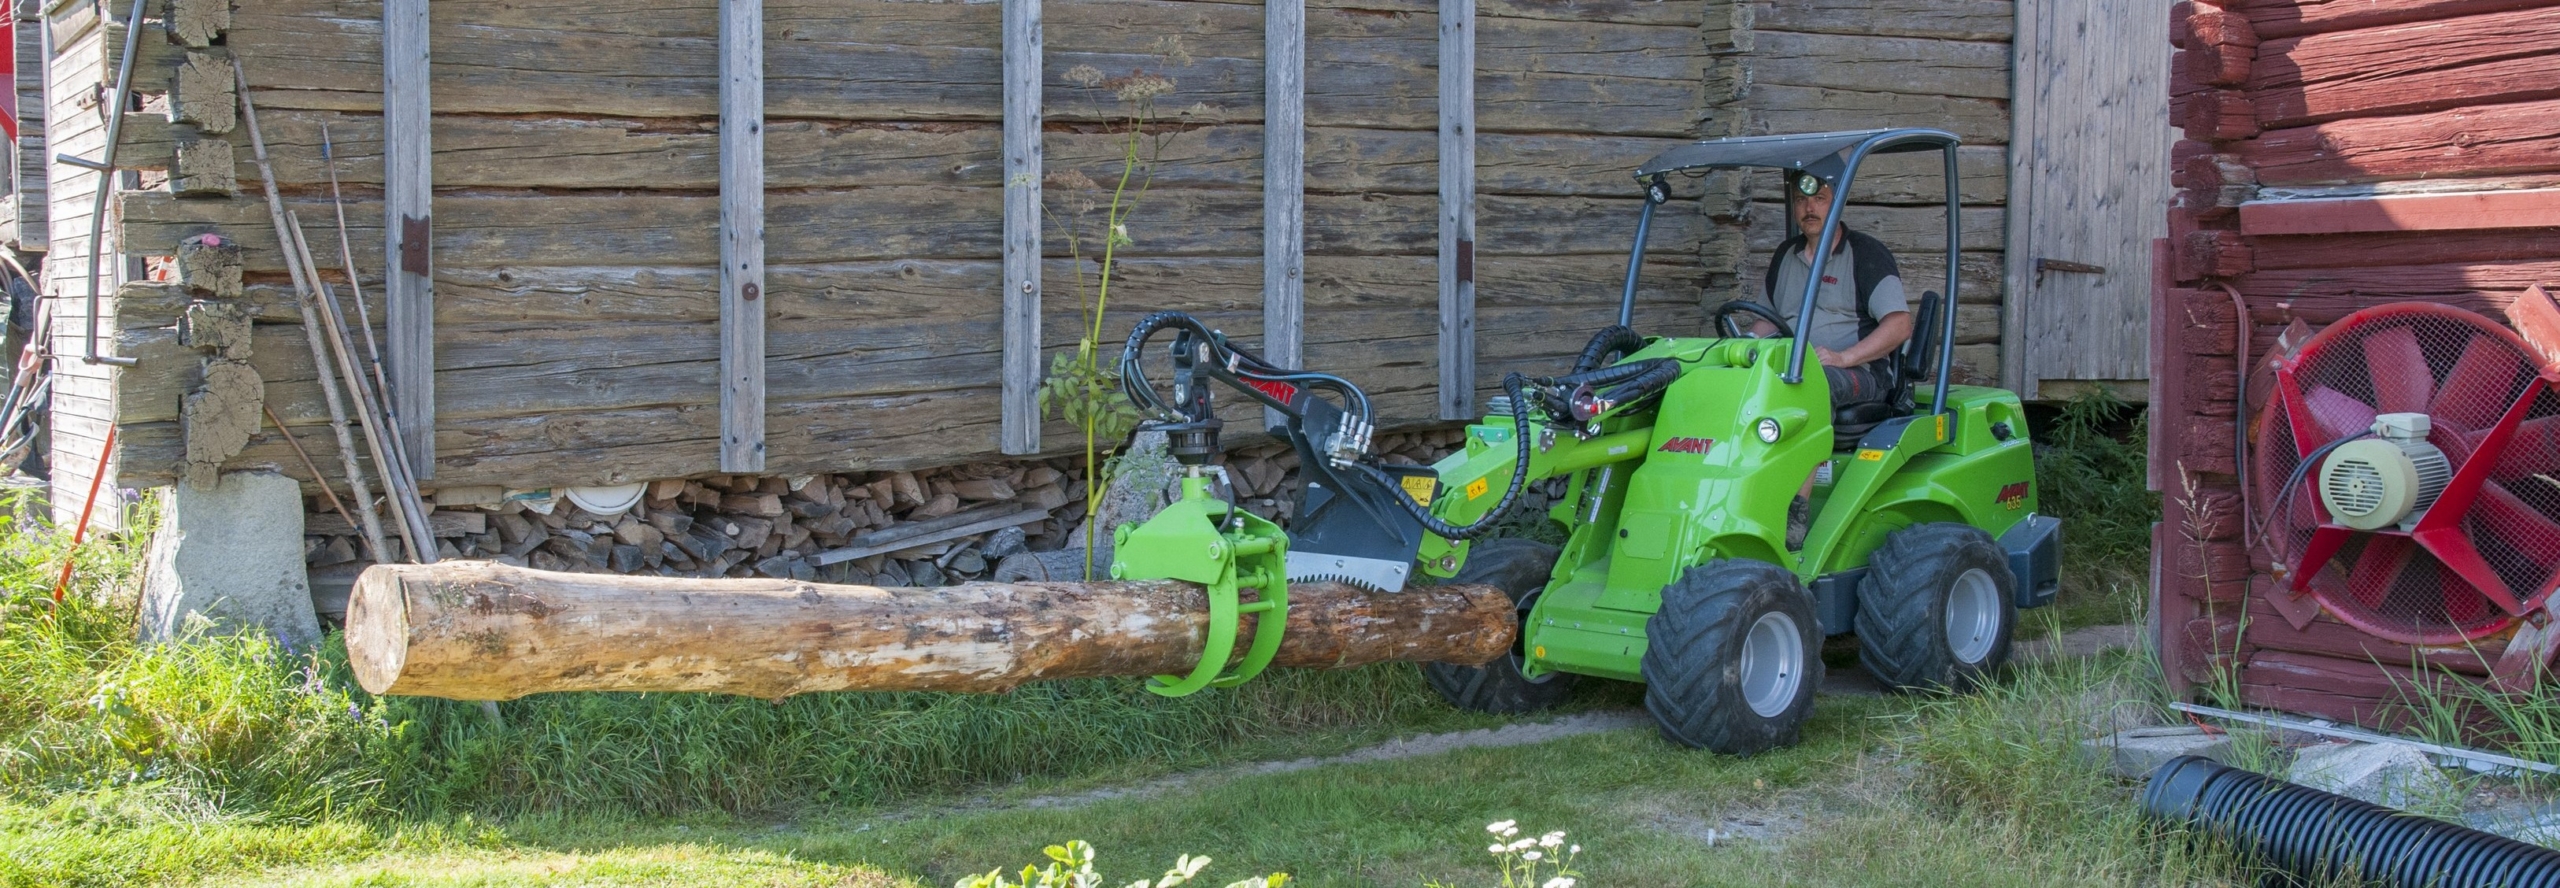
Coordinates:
<point>1784,66</point>
<point>83,393</point>
<point>2348,103</point>
<point>575,172</point>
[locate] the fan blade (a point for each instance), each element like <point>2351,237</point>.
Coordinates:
<point>2338,414</point>
<point>2454,548</point>
<point>2377,569</point>
<point>2402,380</point>
<point>2537,316</point>
<point>2481,384</point>
<point>2519,526</point>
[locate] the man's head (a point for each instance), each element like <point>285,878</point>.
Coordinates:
<point>1808,203</point>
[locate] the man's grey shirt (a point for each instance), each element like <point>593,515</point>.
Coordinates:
<point>1835,307</point>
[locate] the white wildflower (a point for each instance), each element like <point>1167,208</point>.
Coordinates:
<point>1551,840</point>
<point>1493,848</point>
<point>1559,882</point>
<point>1500,825</point>
<point>1534,856</point>
<point>1521,845</point>
<point>1577,849</point>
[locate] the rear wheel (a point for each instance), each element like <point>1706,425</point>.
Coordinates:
<point>1935,611</point>
<point>1732,658</point>
<point>1520,569</point>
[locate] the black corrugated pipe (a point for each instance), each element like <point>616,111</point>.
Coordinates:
<point>2318,837</point>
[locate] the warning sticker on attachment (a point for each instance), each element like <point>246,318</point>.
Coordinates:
<point>1421,488</point>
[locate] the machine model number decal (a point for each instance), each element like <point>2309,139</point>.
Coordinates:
<point>2014,495</point>
<point>1476,488</point>
<point>1420,487</point>
<point>1688,445</point>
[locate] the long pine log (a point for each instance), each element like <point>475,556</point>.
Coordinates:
<point>469,630</point>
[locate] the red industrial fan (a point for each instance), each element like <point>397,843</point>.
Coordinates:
<point>2409,469</point>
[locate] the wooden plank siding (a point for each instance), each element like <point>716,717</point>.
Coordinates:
<point>22,224</point>
<point>576,176</point>
<point>1834,64</point>
<point>2338,155</point>
<point>84,399</point>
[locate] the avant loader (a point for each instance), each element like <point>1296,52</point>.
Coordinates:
<point>1683,455</point>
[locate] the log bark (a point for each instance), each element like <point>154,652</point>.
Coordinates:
<point>486,631</point>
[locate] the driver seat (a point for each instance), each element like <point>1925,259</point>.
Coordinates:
<point>1905,367</point>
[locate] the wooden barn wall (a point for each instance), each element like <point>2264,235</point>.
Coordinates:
<point>1785,66</point>
<point>84,398</point>
<point>22,224</point>
<point>2283,102</point>
<point>575,233</point>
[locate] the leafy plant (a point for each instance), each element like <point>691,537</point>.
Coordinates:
<point>1081,388</point>
<point>1071,866</point>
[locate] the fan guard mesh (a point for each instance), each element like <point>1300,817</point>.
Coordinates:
<point>2367,364</point>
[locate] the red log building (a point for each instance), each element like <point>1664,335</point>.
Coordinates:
<point>2335,155</point>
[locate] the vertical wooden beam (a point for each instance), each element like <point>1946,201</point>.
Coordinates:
<point>1021,428</point>
<point>2027,81</point>
<point>1457,209</point>
<point>408,291</point>
<point>1284,148</point>
<point>741,235</point>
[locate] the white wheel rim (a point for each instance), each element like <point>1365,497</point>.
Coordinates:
<point>1772,664</point>
<point>1973,616</point>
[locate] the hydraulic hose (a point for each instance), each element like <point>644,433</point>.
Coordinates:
<point>1611,340</point>
<point>2322,838</point>
<point>1511,385</point>
<point>1242,364</point>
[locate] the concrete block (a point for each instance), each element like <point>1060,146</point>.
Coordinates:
<point>231,554</point>
<point>2135,752</point>
<point>2382,773</point>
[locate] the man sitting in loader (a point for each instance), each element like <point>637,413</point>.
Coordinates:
<point>1860,315</point>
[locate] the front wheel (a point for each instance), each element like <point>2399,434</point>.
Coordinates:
<point>1520,569</point>
<point>1936,611</point>
<point>1732,658</point>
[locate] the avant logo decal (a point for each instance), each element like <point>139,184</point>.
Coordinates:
<point>2014,495</point>
<point>1688,445</point>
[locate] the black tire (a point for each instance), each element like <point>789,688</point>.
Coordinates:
<point>1519,568</point>
<point>1696,681</point>
<point>1905,637</point>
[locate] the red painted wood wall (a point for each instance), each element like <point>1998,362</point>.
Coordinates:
<point>2337,154</point>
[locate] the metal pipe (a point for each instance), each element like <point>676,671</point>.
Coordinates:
<point>106,167</point>
<point>1955,252</point>
<point>2322,838</point>
<point>1821,255</point>
<point>2345,733</point>
<point>1656,193</point>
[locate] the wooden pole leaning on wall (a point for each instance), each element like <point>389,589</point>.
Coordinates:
<point>1284,149</point>
<point>1457,209</point>
<point>408,197</point>
<point>1019,433</point>
<point>371,404</point>
<point>303,290</point>
<point>474,630</point>
<point>742,236</point>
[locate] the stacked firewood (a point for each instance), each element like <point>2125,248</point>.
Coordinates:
<point>925,527</point>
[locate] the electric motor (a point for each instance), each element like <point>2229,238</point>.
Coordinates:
<point>2389,479</point>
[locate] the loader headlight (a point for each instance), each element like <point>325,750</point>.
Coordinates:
<point>1768,429</point>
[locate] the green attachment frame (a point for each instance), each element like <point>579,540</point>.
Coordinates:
<point>1205,540</point>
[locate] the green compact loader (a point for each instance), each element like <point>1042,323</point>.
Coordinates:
<point>1684,455</point>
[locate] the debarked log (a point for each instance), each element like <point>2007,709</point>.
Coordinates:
<point>469,630</point>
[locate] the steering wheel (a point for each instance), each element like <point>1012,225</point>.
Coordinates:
<point>1723,317</point>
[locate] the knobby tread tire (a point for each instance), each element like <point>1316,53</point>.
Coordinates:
<point>1902,621</point>
<point>1693,651</point>
<point>1520,569</point>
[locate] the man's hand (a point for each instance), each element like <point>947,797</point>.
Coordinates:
<point>1831,358</point>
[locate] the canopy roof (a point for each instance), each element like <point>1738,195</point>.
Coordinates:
<point>1819,153</point>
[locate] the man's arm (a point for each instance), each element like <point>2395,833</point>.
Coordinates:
<point>1891,332</point>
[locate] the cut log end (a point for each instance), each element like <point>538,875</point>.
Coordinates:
<point>487,631</point>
